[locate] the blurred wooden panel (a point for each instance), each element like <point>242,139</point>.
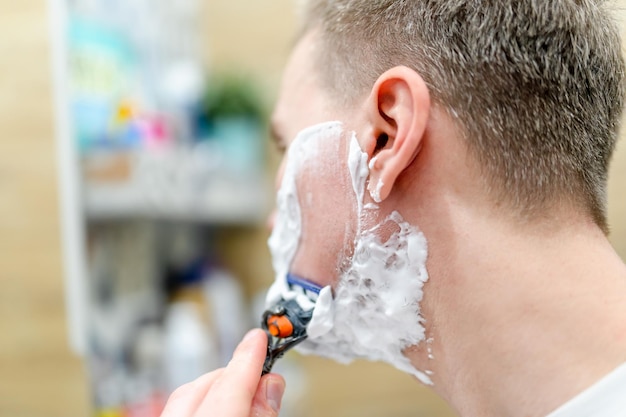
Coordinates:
<point>39,377</point>
<point>252,37</point>
<point>365,389</point>
<point>617,198</point>
<point>617,175</point>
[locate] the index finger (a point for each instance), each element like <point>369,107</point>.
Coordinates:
<point>232,394</point>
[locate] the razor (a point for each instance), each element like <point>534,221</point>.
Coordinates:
<point>285,322</point>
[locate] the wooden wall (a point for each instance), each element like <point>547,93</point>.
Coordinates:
<point>39,377</point>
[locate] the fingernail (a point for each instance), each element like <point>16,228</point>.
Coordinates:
<point>274,391</point>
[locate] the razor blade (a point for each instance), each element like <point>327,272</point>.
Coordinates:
<point>285,322</point>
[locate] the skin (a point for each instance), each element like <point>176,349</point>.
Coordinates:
<point>523,313</point>
<point>235,391</point>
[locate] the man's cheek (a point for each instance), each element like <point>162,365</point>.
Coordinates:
<point>328,212</point>
<point>324,186</point>
<point>315,258</point>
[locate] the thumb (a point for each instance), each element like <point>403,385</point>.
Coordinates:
<point>268,396</point>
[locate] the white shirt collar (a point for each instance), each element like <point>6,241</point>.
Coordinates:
<point>606,398</point>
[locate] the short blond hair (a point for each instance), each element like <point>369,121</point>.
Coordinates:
<point>536,85</point>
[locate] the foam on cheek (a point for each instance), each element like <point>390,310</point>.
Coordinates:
<point>285,237</point>
<point>357,164</point>
<point>375,311</point>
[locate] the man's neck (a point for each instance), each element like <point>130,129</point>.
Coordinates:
<point>519,322</point>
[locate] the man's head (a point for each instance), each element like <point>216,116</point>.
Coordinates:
<point>536,87</point>
<point>469,119</point>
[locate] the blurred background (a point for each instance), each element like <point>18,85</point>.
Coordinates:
<point>135,179</point>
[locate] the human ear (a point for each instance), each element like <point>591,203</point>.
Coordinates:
<point>397,111</point>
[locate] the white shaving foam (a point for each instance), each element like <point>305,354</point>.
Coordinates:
<point>285,237</point>
<point>375,193</point>
<point>357,163</point>
<point>375,311</point>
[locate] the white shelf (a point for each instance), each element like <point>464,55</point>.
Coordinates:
<point>219,201</point>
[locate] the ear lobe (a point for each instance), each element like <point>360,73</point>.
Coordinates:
<point>398,111</point>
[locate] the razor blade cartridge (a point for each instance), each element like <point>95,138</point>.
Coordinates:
<point>285,322</point>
